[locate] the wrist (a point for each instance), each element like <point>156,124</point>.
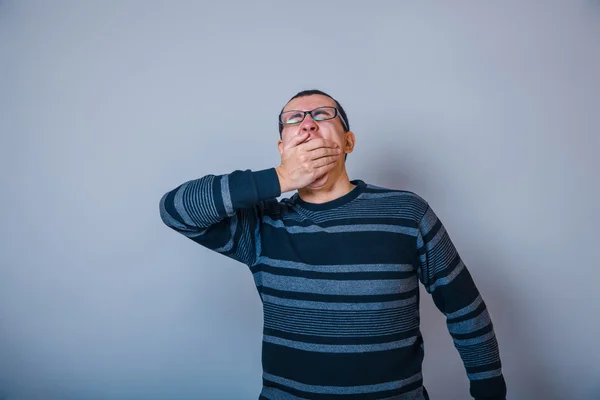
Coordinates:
<point>282,182</point>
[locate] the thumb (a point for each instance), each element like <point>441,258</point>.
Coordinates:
<point>296,140</point>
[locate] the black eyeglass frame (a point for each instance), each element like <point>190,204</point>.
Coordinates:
<point>336,114</point>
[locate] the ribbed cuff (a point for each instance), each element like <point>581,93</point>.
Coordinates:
<point>267,184</point>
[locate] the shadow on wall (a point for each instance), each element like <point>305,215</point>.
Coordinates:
<point>527,377</point>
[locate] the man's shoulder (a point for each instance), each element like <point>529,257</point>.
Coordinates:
<point>404,195</point>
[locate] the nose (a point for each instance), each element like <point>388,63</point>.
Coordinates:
<point>309,124</point>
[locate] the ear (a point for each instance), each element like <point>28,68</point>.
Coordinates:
<point>349,142</point>
<point>280,147</point>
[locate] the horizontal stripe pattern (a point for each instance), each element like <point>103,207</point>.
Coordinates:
<point>272,391</point>
<point>335,390</point>
<point>340,228</point>
<point>339,285</point>
<point>340,348</point>
<point>371,204</point>
<point>334,287</point>
<point>485,375</point>
<point>338,322</point>
<point>342,298</point>
<point>335,268</point>
<point>353,306</point>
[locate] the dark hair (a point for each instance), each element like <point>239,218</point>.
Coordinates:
<point>315,91</point>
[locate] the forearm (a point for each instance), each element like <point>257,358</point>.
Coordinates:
<point>200,203</point>
<point>473,335</point>
<point>448,280</point>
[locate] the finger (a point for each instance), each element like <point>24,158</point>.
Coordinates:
<point>318,143</point>
<point>325,161</point>
<point>324,152</point>
<point>321,171</point>
<point>297,139</point>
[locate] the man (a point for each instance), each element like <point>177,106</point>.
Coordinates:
<point>337,267</point>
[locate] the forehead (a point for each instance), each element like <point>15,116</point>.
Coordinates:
<point>306,103</point>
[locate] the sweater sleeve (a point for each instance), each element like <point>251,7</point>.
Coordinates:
<point>446,278</point>
<point>222,212</point>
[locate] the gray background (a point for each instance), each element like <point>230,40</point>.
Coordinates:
<point>489,110</point>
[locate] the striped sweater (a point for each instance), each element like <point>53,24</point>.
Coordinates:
<point>339,285</point>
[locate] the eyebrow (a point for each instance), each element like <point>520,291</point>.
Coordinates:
<point>307,110</point>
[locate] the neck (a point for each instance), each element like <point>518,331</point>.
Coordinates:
<point>334,188</point>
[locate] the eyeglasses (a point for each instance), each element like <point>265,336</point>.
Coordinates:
<point>294,117</point>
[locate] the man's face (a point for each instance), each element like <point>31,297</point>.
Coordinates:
<point>330,129</point>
